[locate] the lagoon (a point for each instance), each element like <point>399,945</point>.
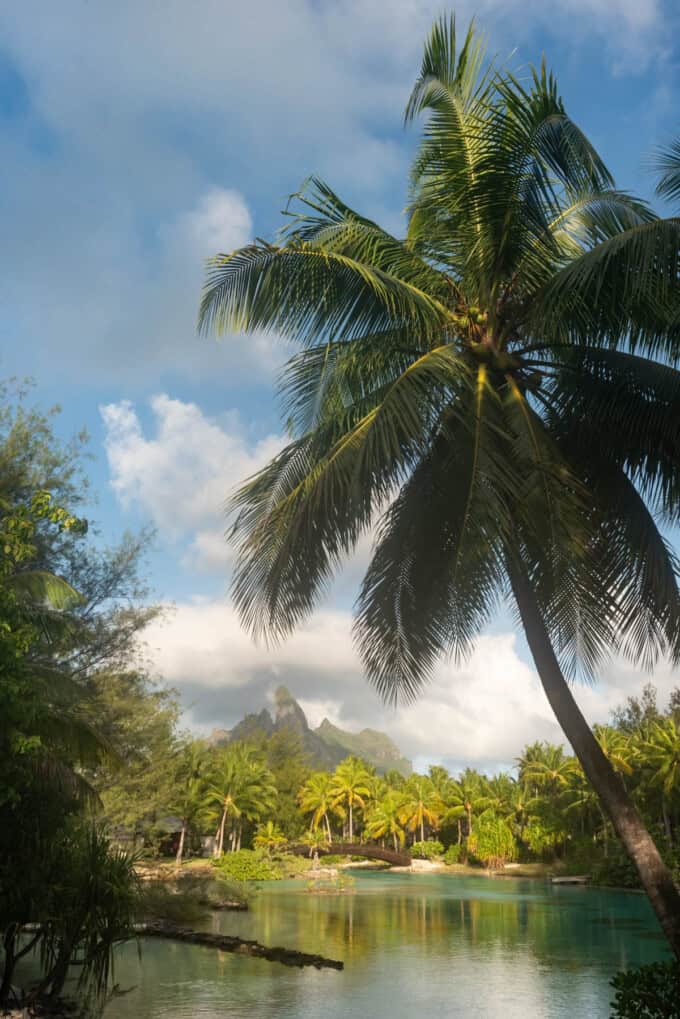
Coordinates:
<point>413,945</point>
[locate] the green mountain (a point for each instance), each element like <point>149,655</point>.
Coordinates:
<point>374,746</point>
<point>325,746</point>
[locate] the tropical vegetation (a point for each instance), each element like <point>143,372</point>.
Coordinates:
<point>493,394</point>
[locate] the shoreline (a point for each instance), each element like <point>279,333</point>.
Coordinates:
<point>166,870</point>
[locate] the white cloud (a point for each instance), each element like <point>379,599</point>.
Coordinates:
<point>139,114</point>
<point>181,475</point>
<point>220,222</point>
<point>482,713</point>
<point>179,471</point>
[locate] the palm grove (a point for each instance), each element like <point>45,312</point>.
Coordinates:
<point>94,755</point>
<point>494,395</point>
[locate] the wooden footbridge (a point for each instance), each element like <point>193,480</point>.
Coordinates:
<point>369,852</point>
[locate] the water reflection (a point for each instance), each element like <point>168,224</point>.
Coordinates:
<point>436,944</point>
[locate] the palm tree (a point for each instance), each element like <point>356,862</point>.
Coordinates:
<point>496,391</point>
<point>422,805</point>
<point>190,781</point>
<point>661,755</point>
<point>317,798</point>
<point>466,794</point>
<point>547,767</point>
<point>270,837</point>
<point>385,818</point>
<point>350,787</point>
<point>242,786</point>
<point>523,806</point>
<point>616,747</point>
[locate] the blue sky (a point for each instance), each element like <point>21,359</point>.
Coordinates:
<point>139,138</point>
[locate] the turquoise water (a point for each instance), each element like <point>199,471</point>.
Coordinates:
<point>413,946</point>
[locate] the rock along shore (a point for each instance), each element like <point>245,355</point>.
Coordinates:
<point>227,943</point>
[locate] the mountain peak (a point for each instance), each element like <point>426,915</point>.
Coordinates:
<point>289,714</point>
<point>325,746</point>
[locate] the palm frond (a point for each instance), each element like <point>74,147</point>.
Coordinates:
<point>622,290</point>
<point>604,393</point>
<point>436,572</point>
<point>667,165</point>
<point>42,588</point>
<point>290,544</point>
<point>307,294</point>
<point>447,75</point>
<point>322,220</point>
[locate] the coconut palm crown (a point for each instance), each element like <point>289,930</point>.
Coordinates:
<point>494,395</point>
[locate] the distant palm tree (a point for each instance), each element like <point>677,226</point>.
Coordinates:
<point>422,805</point>
<point>270,837</point>
<point>351,788</point>
<point>616,747</point>
<point>318,799</point>
<point>241,786</point>
<point>467,793</point>
<point>497,389</point>
<point>385,819</point>
<point>661,755</point>
<point>189,786</point>
<point>523,806</point>
<point>550,769</point>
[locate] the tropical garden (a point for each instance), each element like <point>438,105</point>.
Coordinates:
<point>493,397</point>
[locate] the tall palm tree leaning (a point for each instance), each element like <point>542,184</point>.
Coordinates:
<point>496,391</point>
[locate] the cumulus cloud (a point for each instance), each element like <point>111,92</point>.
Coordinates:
<point>220,221</point>
<point>178,471</point>
<point>481,713</point>
<point>181,474</point>
<point>130,122</point>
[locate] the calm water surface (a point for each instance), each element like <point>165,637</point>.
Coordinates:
<point>413,945</point>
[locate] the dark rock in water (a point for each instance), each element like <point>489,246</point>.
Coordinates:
<point>229,904</point>
<point>226,943</point>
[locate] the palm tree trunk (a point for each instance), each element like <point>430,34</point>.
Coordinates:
<point>460,831</point>
<point>605,832</point>
<point>422,829</point>
<point>654,874</point>
<point>666,820</point>
<point>328,829</point>
<point>220,840</point>
<point>9,961</point>
<point>180,848</point>
<point>351,829</point>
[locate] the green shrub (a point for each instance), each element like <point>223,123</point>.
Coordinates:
<point>188,898</point>
<point>248,865</point>
<point>651,992</point>
<point>330,859</point>
<point>291,865</point>
<point>426,850</point>
<point>492,844</point>
<point>581,856</point>
<point>616,871</point>
<point>160,901</point>
<point>453,854</point>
